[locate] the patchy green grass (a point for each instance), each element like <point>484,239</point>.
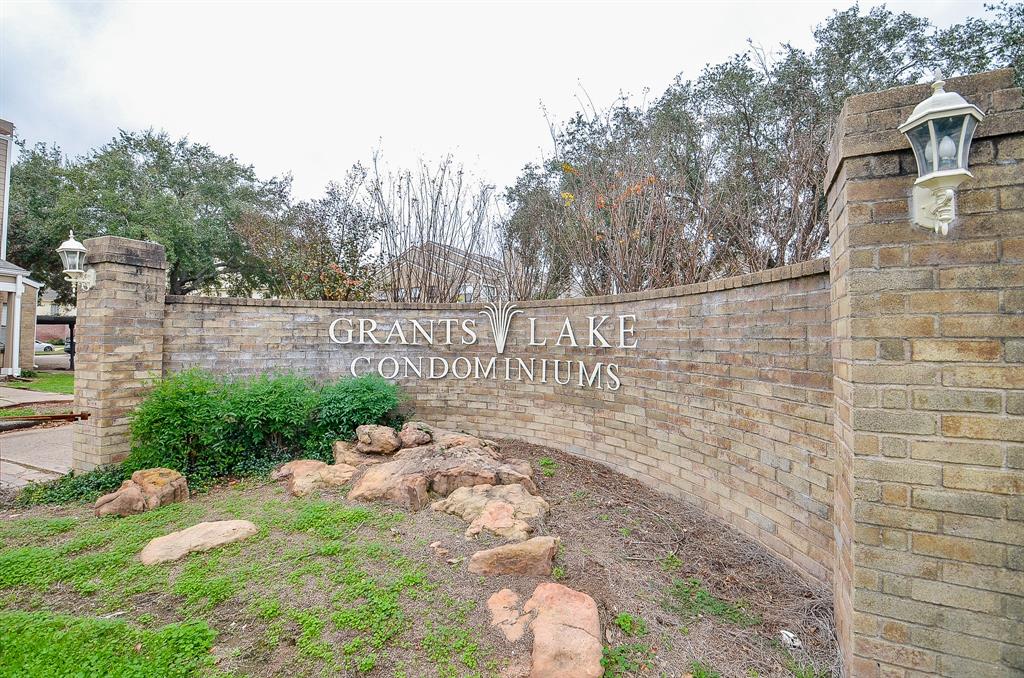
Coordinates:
<point>323,582</point>
<point>702,670</point>
<point>548,467</point>
<point>625,660</point>
<point>691,599</point>
<point>49,382</point>
<point>44,645</point>
<point>630,625</point>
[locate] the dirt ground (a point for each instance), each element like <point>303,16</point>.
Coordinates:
<point>274,600</point>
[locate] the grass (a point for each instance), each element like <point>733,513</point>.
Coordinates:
<point>364,593</point>
<point>630,625</point>
<point>548,467</point>
<point>691,599</point>
<point>702,670</point>
<point>49,382</point>
<point>44,645</point>
<point>625,660</point>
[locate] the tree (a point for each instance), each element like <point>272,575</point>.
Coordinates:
<point>723,174</point>
<point>146,186</point>
<point>434,224</point>
<point>318,249</point>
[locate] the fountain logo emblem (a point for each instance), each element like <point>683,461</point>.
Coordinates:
<point>500,315</point>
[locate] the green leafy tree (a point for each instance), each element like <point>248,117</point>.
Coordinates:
<point>147,186</point>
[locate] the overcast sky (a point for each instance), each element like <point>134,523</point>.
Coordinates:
<point>311,88</point>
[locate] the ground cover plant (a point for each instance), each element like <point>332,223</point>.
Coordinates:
<point>332,587</point>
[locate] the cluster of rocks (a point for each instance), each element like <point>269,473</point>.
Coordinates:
<point>416,467</point>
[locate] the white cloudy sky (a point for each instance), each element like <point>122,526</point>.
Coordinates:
<point>311,87</point>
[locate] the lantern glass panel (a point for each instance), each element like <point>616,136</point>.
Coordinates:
<point>920,141</point>
<point>969,126</point>
<point>948,133</point>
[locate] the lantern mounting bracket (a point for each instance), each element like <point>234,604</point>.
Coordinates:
<point>933,208</point>
<point>84,280</point>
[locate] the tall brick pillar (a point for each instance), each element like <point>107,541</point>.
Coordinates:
<point>928,358</point>
<point>119,343</point>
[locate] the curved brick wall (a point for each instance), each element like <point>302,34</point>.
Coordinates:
<point>725,401</point>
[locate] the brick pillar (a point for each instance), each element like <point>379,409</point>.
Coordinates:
<point>120,336</point>
<point>929,396</point>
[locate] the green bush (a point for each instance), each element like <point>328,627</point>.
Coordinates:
<point>350,403</point>
<point>178,423</point>
<point>208,428</point>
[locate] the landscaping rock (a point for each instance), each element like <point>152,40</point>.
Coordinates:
<point>346,453</point>
<point>377,440</point>
<point>146,490</point>
<point>506,615</point>
<point>414,434</point>
<point>566,633</point>
<point>412,474</point>
<point>306,475</point>
<point>201,537</point>
<point>500,509</point>
<point>534,556</point>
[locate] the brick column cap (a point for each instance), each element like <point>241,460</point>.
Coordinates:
<point>867,124</point>
<point>114,249</point>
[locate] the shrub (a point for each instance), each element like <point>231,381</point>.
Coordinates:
<point>208,428</point>
<point>350,403</point>
<point>177,423</point>
<point>263,421</point>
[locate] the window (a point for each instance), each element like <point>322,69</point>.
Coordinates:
<point>490,292</point>
<point>415,294</point>
<point>401,294</point>
<point>467,293</point>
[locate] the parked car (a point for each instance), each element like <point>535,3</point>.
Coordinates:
<point>43,346</point>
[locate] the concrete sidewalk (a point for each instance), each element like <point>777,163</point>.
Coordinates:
<point>23,396</point>
<point>35,455</point>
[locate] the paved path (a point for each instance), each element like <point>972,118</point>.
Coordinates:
<point>35,455</point>
<point>23,396</point>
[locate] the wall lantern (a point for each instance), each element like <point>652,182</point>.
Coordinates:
<point>940,131</point>
<point>72,255</point>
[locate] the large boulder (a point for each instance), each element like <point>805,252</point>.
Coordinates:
<point>500,509</point>
<point>442,467</point>
<point>345,452</point>
<point>201,537</point>
<point>566,633</point>
<point>146,490</point>
<point>533,556</point>
<point>372,439</point>
<point>306,475</point>
<point>414,434</point>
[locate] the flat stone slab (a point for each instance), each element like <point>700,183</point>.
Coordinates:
<point>533,556</point>
<point>566,629</point>
<point>201,537</point>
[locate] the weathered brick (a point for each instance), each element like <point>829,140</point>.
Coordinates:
<point>949,400</point>
<point>957,452</point>
<point>978,504</point>
<point>983,480</point>
<point>958,350</point>
<point>982,427</point>
<point>883,421</point>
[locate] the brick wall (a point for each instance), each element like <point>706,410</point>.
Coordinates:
<point>929,391</point>
<point>726,400</point>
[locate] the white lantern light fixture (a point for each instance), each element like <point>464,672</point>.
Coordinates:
<point>72,255</point>
<point>940,131</point>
